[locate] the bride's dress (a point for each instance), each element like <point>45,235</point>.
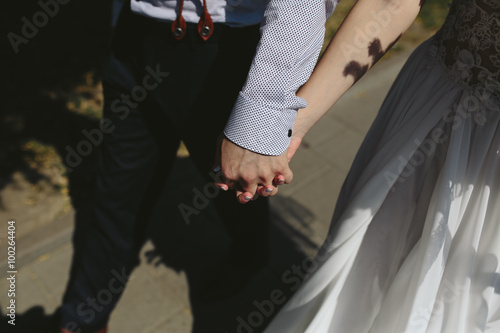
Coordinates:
<point>414,244</point>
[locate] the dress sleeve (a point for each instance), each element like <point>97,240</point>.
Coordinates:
<point>292,34</point>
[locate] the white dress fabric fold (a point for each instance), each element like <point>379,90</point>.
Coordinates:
<point>414,244</point>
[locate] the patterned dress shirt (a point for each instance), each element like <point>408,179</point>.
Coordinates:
<point>292,34</point>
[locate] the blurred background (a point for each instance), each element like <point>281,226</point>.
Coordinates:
<point>51,91</point>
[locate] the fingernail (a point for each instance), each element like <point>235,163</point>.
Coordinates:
<point>222,188</point>
<point>281,180</point>
<point>269,190</point>
<point>247,198</point>
<point>217,168</point>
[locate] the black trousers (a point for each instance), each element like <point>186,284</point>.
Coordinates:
<point>157,92</point>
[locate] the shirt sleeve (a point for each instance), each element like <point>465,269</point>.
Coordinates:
<point>292,34</point>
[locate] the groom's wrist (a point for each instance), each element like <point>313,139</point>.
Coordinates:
<point>259,128</point>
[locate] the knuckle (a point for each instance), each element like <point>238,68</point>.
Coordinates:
<point>227,173</point>
<point>247,178</point>
<point>267,177</point>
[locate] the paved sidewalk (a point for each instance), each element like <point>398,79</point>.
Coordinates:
<point>156,298</point>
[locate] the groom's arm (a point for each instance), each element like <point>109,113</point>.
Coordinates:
<point>262,119</point>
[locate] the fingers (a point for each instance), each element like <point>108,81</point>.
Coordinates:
<point>288,174</point>
<point>267,191</point>
<point>222,186</point>
<point>279,180</point>
<point>249,173</point>
<point>246,192</point>
<point>244,197</point>
<point>264,191</point>
<point>267,188</point>
<point>221,181</point>
<point>250,192</point>
<point>253,185</point>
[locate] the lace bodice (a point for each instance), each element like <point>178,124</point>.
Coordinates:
<point>469,46</point>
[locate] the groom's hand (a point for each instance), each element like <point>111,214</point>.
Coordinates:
<point>252,174</point>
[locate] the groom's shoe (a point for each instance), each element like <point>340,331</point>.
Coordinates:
<point>104,330</point>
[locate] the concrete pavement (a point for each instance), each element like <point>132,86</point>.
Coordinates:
<point>157,297</point>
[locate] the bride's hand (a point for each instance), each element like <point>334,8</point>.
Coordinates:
<point>248,173</point>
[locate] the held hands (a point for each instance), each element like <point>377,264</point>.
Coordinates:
<point>251,174</point>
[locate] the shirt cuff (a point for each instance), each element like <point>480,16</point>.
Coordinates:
<point>259,128</point>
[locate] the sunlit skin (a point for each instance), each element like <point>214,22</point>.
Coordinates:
<point>375,51</point>
<point>251,173</point>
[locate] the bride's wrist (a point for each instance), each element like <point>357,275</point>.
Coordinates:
<point>301,127</point>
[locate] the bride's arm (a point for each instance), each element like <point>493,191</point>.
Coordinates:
<point>371,27</point>
<point>369,30</point>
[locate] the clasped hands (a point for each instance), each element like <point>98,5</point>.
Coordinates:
<point>251,174</point>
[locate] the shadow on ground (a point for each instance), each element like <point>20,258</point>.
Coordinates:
<point>39,90</point>
<point>39,81</point>
<point>222,299</point>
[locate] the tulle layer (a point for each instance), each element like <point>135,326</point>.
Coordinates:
<point>414,244</point>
